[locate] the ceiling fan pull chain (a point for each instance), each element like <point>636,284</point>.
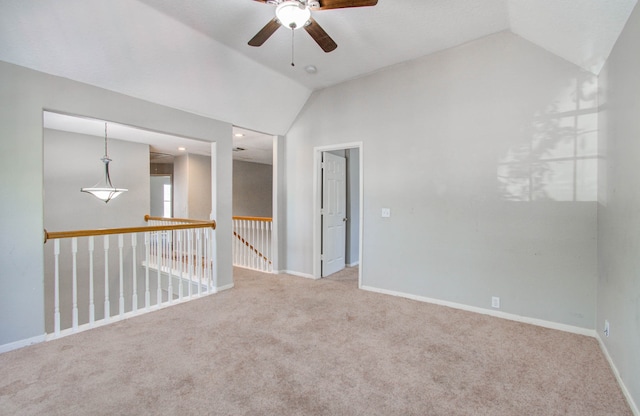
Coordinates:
<point>292,39</point>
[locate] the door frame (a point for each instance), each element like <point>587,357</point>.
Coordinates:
<point>317,202</point>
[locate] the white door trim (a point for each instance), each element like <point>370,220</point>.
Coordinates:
<point>317,198</point>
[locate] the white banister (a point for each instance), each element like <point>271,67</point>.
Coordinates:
<point>181,254</point>
<point>252,243</point>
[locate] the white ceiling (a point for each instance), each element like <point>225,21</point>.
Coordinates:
<point>257,147</point>
<point>193,54</point>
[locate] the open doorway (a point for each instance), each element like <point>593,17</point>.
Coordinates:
<point>337,230</point>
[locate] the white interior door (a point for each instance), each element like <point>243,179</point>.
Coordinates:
<point>334,213</point>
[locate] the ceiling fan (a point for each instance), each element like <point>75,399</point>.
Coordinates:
<point>294,14</point>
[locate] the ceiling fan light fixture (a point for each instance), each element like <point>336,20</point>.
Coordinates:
<point>293,14</point>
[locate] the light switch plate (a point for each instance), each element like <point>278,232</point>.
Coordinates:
<point>386,212</point>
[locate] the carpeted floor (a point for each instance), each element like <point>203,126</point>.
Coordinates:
<point>283,345</point>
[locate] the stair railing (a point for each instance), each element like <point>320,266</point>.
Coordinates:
<point>153,267</point>
<point>252,246</point>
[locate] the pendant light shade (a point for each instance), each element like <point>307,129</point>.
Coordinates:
<point>104,190</point>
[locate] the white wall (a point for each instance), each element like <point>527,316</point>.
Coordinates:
<point>23,95</point>
<point>252,189</point>
<point>619,209</point>
<point>473,151</point>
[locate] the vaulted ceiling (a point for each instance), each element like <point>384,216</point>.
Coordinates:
<point>193,54</point>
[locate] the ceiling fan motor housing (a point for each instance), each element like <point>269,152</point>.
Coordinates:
<point>293,14</point>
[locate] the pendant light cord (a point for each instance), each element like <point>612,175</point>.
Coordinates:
<point>106,154</point>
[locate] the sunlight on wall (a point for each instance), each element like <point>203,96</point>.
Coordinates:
<point>557,160</point>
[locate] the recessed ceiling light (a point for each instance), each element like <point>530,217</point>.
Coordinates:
<point>239,135</point>
<point>311,69</point>
<point>182,149</point>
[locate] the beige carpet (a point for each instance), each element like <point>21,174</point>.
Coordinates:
<point>282,345</point>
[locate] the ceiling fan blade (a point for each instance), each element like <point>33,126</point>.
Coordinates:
<point>265,33</point>
<point>343,4</point>
<point>320,36</point>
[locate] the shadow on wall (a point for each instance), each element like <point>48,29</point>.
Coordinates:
<point>558,158</point>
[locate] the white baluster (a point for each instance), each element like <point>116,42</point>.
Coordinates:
<point>214,266</point>
<point>252,239</point>
<point>74,283</point>
<point>190,260</point>
<point>170,262</point>
<point>270,244</point>
<point>134,274</point>
<point>262,245</point>
<point>56,289</point>
<point>147,254</point>
<point>121,274</point>
<point>206,266</point>
<point>92,307</point>
<point>235,242</point>
<point>197,260</point>
<point>159,255</point>
<point>245,248</point>
<point>107,309</point>
<point>179,262</point>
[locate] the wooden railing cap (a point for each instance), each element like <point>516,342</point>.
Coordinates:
<point>186,224</point>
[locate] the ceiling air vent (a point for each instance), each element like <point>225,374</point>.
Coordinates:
<point>238,149</point>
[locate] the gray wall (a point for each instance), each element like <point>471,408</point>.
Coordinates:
<point>23,95</point>
<point>192,187</point>
<point>156,206</point>
<point>252,189</point>
<point>473,150</point>
<point>72,161</point>
<point>199,187</point>
<point>619,208</point>
<point>181,187</point>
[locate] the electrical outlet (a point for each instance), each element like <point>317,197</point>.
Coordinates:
<point>386,212</point>
<point>495,302</point>
<point>606,328</point>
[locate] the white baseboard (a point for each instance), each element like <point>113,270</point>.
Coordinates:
<point>497,314</point>
<point>22,343</point>
<point>305,275</point>
<point>356,264</point>
<point>616,373</point>
<point>225,287</point>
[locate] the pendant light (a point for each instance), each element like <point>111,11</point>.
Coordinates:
<point>104,190</point>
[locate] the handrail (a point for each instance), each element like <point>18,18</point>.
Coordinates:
<point>263,219</point>
<point>125,230</point>
<point>251,247</point>
<point>148,218</point>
